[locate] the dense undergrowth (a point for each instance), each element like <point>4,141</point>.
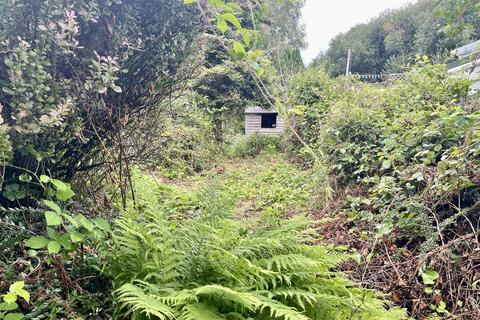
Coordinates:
<point>226,251</point>
<point>232,243</point>
<point>404,163</point>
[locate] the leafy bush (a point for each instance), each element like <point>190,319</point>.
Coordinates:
<point>79,78</point>
<point>404,160</point>
<point>170,265</point>
<point>187,144</point>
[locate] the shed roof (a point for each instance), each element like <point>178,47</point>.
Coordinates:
<point>259,110</point>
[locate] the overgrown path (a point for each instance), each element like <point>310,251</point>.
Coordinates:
<point>266,186</point>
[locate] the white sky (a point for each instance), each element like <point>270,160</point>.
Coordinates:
<point>326,18</point>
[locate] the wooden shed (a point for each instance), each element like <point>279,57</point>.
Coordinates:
<point>263,122</point>
<point>468,63</point>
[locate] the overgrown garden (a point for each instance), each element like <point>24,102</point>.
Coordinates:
<point>128,191</point>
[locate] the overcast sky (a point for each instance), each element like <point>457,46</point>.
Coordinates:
<point>326,18</point>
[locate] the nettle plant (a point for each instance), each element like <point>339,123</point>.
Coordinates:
<point>65,232</point>
<point>9,306</point>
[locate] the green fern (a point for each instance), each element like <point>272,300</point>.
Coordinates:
<point>207,265</point>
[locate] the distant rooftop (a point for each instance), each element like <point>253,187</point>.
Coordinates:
<point>468,49</point>
<point>259,110</point>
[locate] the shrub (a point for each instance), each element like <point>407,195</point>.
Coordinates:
<point>79,78</point>
<point>404,159</point>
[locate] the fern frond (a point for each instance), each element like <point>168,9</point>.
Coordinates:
<point>135,300</point>
<point>220,293</point>
<point>301,297</point>
<point>277,310</point>
<point>200,311</point>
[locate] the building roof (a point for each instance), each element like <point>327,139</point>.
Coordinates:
<point>259,110</point>
<point>468,49</point>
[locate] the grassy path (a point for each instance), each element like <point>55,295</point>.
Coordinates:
<point>267,186</point>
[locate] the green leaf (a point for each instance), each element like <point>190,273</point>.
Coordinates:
<point>37,242</point>
<point>189,1</point>
<point>25,177</point>
<point>53,247</point>
<point>76,237</point>
<point>32,253</point>
<point>71,220</point>
<point>59,185</point>
<point>53,218</point>
<point>247,38</point>
<point>16,286</point>
<point>239,49</point>
<point>14,316</point>
<point>216,3</point>
<point>418,176</point>
<point>84,222</point>
<point>253,55</point>
<point>116,88</point>
<point>65,241</point>
<point>232,19</point>
<point>102,224</point>
<point>8,306</point>
<point>65,195</point>
<point>44,178</point>
<point>10,297</point>
<point>222,25</point>
<point>429,276</point>
<point>52,205</point>
<point>24,294</point>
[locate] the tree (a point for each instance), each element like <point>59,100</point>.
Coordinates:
<point>390,42</point>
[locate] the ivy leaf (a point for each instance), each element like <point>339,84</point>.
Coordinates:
<point>44,178</point>
<point>38,242</point>
<point>53,218</point>
<point>53,247</point>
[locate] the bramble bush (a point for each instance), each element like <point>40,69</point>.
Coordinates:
<point>409,150</point>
